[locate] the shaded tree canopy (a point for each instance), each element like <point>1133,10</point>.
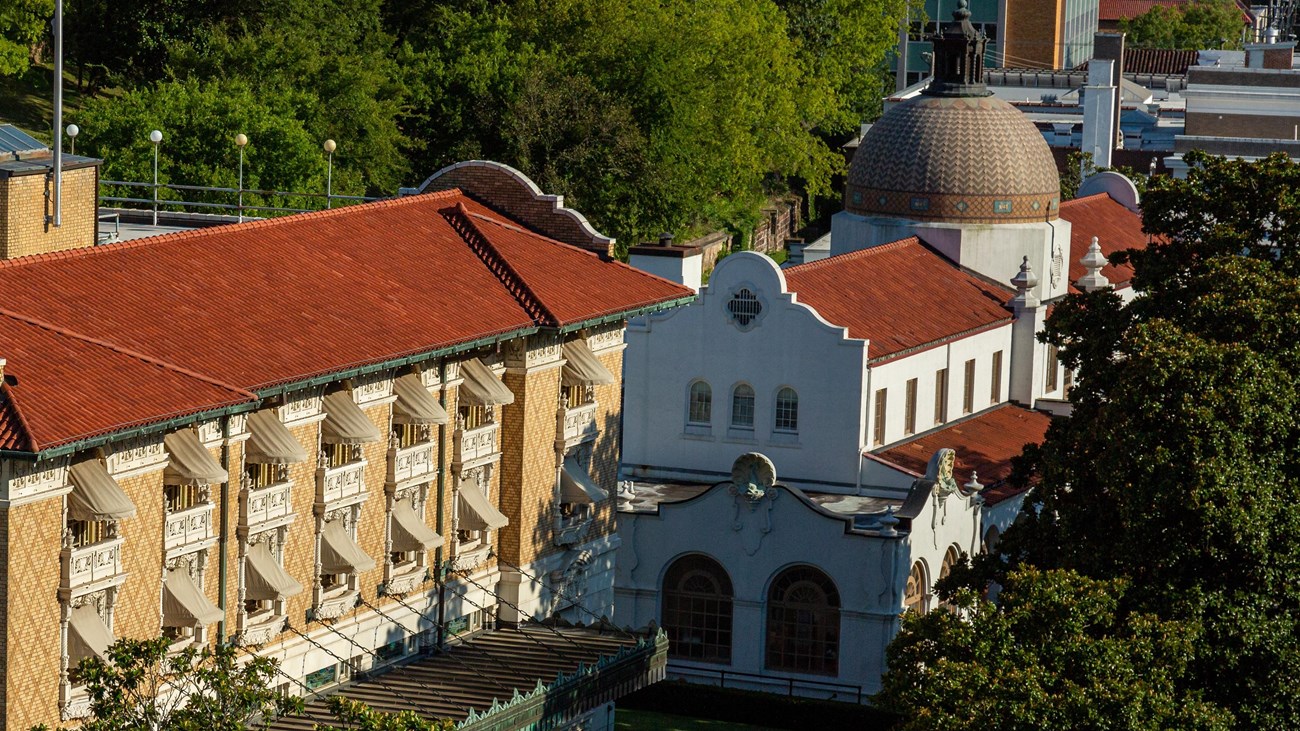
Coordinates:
<point>1177,469</point>
<point>1197,25</point>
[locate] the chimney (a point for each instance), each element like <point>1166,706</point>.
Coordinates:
<point>681,264</point>
<point>1270,55</point>
<point>1099,112</point>
<point>1110,47</point>
<point>27,187</point>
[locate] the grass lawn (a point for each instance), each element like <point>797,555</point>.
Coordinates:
<point>626,719</point>
<point>27,101</point>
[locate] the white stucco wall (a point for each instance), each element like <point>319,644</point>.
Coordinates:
<point>789,345</point>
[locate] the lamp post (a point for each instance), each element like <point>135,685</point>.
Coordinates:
<point>155,137</point>
<point>73,130</point>
<point>330,146</point>
<point>241,140</point>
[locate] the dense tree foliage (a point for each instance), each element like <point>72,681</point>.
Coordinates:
<point>1198,25</point>
<point>144,685</point>
<point>23,26</point>
<point>1178,467</point>
<point>1057,651</point>
<point>646,115</point>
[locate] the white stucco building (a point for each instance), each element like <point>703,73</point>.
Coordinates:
<point>890,385</point>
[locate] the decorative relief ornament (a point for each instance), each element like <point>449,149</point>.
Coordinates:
<point>751,476</point>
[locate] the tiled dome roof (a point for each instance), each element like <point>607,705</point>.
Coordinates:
<point>961,159</point>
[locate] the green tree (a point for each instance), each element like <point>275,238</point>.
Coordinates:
<point>1057,651</point>
<point>144,685</point>
<point>24,24</point>
<point>199,122</point>
<point>1177,468</point>
<point>1198,25</point>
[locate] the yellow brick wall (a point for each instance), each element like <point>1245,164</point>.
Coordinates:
<point>528,465</point>
<point>137,613</point>
<point>30,538</point>
<point>1033,32</point>
<point>23,227</point>
<point>300,545</point>
<point>606,454</point>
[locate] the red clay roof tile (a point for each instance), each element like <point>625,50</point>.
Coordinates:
<point>899,296</point>
<point>267,303</point>
<point>985,443</point>
<point>1116,228</point>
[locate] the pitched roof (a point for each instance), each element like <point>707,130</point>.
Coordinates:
<point>1116,228</point>
<point>899,296</point>
<point>1120,9</point>
<point>1158,61</point>
<point>985,443</point>
<point>272,302</point>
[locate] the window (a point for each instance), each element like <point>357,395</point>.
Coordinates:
<point>968,388</point>
<point>700,408</point>
<point>180,497</point>
<point>744,308</point>
<point>995,392</point>
<point>86,532</point>
<point>803,622</point>
<point>878,430</point>
<point>787,410</point>
<point>941,396</point>
<point>914,594</point>
<point>1069,382</point>
<point>337,455</point>
<point>577,395</point>
<point>909,416</point>
<point>742,407</point>
<point>473,416</point>
<point>950,559</point>
<point>263,474</point>
<point>697,609</point>
<point>409,435</point>
<point>1053,365</point>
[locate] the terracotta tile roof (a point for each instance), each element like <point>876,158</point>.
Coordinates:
<point>899,296</point>
<point>1116,228</point>
<point>1158,61</point>
<point>61,386</point>
<point>985,443</point>
<point>1119,9</point>
<point>272,302</point>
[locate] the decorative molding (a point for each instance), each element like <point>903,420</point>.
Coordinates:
<point>267,507</point>
<point>606,337</point>
<point>333,607</point>
<point>341,486</point>
<point>539,351</point>
<point>470,560</point>
<point>188,530</point>
<point>405,583</point>
<point>372,389</point>
<point>210,433</point>
<point>302,407</point>
<point>578,425</point>
<point>413,464</point>
<point>26,482</point>
<point>97,565</point>
<point>262,633</point>
<point>135,456</point>
<point>475,447</point>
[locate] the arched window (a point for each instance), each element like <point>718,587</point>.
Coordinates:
<point>787,410</point>
<point>991,538</point>
<point>700,410</point>
<point>803,622</point>
<point>914,595</point>
<point>697,609</point>
<point>950,559</point>
<point>742,407</point>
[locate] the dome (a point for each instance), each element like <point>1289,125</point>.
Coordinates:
<point>960,159</point>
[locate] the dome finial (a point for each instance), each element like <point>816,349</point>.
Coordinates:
<point>958,57</point>
<point>962,12</point>
<point>1093,262</point>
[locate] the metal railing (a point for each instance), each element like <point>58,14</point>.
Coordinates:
<point>228,200</point>
<point>830,691</point>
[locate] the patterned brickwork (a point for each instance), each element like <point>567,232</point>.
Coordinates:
<point>137,612</point>
<point>235,456</point>
<point>23,211</point>
<point>374,516</point>
<point>606,454</point>
<point>300,545</point>
<point>30,536</point>
<point>953,159</point>
<point>528,465</point>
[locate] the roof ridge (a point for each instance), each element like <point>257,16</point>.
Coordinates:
<point>459,218</point>
<point>156,362</point>
<point>1094,196</point>
<point>854,255</point>
<point>168,238</point>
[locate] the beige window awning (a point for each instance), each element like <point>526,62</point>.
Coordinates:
<point>88,636</point>
<point>576,485</point>
<point>345,422</point>
<point>582,367</point>
<point>481,386</point>
<point>264,579</point>
<point>191,463</point>
<point>339,554</point>
<point>476,513</point>
<point>415,405</point>
<point>270,441</point>
<point>410,532</point>
<point>184,604</point>
<point>96,495</point>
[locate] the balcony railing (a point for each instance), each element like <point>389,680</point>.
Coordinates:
<point>343,482</point>
<point>474,445</point>
<point>579,423</point>
<point>268,503</point>
<point>187,527</point>
<point>413,463</point>
<point>95,562</point>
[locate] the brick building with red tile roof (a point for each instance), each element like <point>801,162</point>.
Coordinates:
<point>243,432</point>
